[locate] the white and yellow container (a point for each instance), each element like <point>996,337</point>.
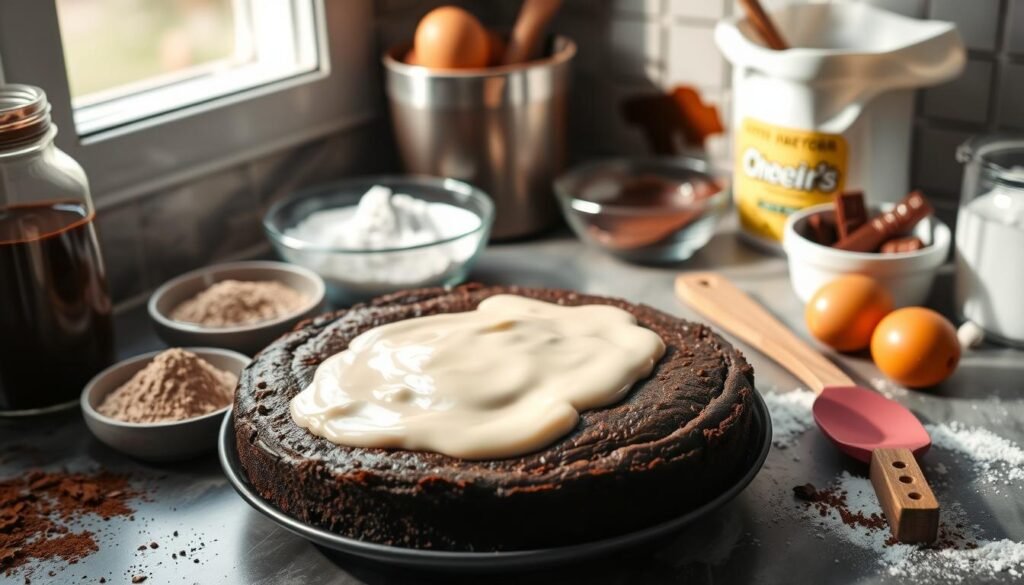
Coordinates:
<point>834,113</point>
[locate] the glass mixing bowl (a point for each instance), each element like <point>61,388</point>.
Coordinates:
<point>648,210</point>
<point>354,275</point>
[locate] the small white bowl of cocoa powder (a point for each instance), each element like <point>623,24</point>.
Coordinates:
<point>163,405</point>
<point>240,305</point>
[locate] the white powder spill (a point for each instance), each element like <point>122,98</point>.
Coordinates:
<point>958,556</point>
<point>791,415</point>
<point>996,459</point>
<point>887,388</point>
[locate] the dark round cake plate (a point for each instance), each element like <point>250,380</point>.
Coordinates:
<point>761,441</point>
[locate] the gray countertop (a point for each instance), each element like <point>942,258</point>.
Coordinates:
<point>760,537</point>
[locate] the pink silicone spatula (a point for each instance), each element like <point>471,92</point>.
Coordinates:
<point>862,423</point>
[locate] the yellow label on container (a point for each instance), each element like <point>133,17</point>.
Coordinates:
<point>782,170</point>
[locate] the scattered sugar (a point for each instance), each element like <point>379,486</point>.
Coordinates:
<point>791,415</point>
<point>998,460</point>
<point>887,388</point>
<point>961,554</point>
<point>958,555</point>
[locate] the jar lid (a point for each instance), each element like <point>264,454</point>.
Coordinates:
<point>1001,154</point>
<point>24,114</point>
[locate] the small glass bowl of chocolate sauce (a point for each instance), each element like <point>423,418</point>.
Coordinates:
<point>646,210</point>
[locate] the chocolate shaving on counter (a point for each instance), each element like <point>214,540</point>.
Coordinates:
<point>38,510</point>
<point>850,213</point>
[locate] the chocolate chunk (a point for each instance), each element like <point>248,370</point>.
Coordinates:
<point>899,245</point>
<point>138,578</point>
<point>806,492</point>
<point>821,230</point>
<point>850,213</point>
<point>906,214</point>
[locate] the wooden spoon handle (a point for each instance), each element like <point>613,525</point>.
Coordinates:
<point>534,16</point>
<point>906,498</point>
<point>764,25</point>
<point>714,297</point>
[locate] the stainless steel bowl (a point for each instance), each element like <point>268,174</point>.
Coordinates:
<point>502,129</point>
<point>670,232</point>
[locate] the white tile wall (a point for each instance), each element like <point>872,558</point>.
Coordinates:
<point>964,99</point>
<point>626,48</point>
<point>636,48</point>
<point>977,20</point>
<point>641,7</point>
<point>987,98</point>
<point>1011,96</point>
<point>1015,29</point>
<point>707,9</point>
<point>693,58</point>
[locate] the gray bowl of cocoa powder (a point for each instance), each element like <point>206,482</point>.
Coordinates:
<point>143,422</point>
<point>239,305</point>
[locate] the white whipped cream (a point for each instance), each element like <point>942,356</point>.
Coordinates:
<point>387,221</point>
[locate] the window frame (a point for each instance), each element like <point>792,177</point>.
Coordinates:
<point>173,147</point>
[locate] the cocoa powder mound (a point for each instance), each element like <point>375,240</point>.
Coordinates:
<point>234,302</point>
<point>176,385</point>
<point>38,510</point>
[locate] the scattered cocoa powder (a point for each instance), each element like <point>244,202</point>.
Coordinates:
<point>229,303</point>
<point>37,509</point>
<point>176,385</point>
<point>834,498</point>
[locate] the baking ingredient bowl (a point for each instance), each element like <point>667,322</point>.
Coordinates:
<point>907,276</point>
<point>248,338</point>
<point>646,210</point>
<point>163,441</point>
<point>353,274</point>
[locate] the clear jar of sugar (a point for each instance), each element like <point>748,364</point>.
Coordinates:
<point>990,237</point>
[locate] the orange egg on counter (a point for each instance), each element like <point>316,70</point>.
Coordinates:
<point>916,347</point>
<point>843,313</point>
<point>451,38</point>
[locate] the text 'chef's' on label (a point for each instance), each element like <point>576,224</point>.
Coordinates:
<point>782,170</point>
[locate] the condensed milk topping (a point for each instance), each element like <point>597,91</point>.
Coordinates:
<point>505,379</point>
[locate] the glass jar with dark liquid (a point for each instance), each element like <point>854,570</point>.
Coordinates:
<point>55,311</point>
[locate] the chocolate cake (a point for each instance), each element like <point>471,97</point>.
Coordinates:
<point>677,440</point>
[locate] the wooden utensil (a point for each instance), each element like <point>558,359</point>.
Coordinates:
<point>764,25</point>
<point>862,423</point>
<point>534,17</point>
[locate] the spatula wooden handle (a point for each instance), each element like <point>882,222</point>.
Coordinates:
<point>714,297</point>
<point>906,498</point>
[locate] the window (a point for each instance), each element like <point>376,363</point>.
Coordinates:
<point>128,60</point>
<point>150,93</point>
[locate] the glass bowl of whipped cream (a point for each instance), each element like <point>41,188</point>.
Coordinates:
<point>370,236</point>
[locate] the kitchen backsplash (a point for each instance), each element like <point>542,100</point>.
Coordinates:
<point>218,217</point>
<point>626,48</point>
